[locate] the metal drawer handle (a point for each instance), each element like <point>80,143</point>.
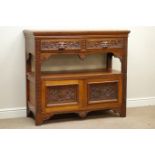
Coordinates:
<point>104,44</point>
<point>61,46</point>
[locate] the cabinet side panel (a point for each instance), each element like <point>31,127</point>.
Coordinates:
<point>29,45</point>
<point>32,97</point>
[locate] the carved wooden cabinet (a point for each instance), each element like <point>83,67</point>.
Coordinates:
<point>53,92</point>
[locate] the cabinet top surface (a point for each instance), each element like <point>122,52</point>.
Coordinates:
<point>75,32</point>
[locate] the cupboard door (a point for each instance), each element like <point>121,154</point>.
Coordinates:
<point>104,92</point>
<point>61,95</point>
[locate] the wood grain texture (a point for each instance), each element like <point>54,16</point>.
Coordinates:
<point>82,91</point>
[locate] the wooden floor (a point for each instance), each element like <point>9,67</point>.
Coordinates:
<point>137,118</point>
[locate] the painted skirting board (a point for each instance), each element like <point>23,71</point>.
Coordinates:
<point>12,112</point>
<point>21,111</point>
<point>139,102</point>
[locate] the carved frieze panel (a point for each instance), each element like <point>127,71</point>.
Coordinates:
<point>62,94</point>
<point>103,91</point>
<point>104,43</point>
<point>60,45</point>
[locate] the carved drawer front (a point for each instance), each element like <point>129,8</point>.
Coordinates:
<point>104,43</point>
<point>60,94</point>
<point>102,92</point>
<point>60,44</point>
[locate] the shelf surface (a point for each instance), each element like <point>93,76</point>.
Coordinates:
<point>76,74</point>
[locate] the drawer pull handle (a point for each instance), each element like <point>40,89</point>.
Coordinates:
<point>61,46</point>
<point>104,44</point>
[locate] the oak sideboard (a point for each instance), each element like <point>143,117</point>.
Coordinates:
<point>78,91</point>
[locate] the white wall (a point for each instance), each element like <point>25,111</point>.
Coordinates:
<point>141,65</point>
<point>12,67</point>
<point>141,62</point>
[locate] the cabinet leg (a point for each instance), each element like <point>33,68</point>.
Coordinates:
<point>123,112</point>
<point>38,120</point>
<point>82,114</point>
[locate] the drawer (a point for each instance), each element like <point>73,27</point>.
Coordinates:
<point>104,43</point>
<point>60,44</point>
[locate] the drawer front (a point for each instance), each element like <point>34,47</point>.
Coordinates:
<point>104,43</point>
<point>61,44</point>
<point>102,93</point>
<point>61,95</point>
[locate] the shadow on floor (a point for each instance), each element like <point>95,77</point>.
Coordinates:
<point>73,116</point>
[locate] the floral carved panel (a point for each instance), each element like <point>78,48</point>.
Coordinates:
<point>62,94</point>
<point>103,91</point>
<point>60,45</point>
<point>104,43</point>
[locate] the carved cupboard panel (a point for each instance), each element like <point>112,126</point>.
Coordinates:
<point>102,91</point>
<point>63,93</point>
